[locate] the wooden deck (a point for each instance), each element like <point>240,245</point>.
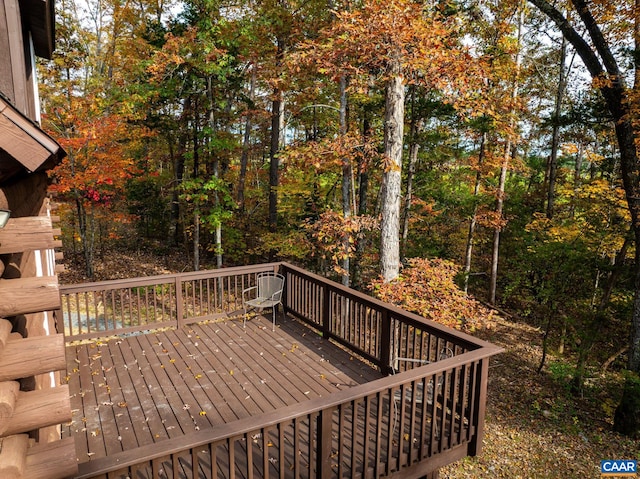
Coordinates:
<point>146,388</point>
<point>256,403</point>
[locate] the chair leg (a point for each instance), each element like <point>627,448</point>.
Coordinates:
<point>273,312</point>
<point>244,317</point>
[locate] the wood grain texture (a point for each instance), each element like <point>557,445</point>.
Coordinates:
<point>28,234</point>
<point>36,409</point>
<point>30,356</point>
<point>13,456</point>
<point>8,396</point>
<point>5,331</point>
<point>55,460</point>
<point>28,295</point>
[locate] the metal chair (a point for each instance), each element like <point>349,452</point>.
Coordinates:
<point>267,293</point>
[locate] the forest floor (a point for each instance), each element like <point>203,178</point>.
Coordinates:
<point>535,427</point>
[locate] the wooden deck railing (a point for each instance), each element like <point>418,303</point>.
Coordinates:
<point>93,310</point>
<point>428,413</point>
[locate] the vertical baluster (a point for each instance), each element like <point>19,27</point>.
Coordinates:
<point>281,450</point>
<point>391,425</point>
<point>355,407</point>
<point>232,455</point>
<point>297,451</point>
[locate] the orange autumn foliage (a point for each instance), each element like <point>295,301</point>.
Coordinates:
<point>427,287</point>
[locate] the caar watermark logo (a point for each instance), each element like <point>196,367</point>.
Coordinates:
<point>618,467</point>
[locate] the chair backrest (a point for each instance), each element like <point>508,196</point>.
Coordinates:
<point>270,285</point>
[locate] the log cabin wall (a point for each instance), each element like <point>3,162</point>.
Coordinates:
<point>32,402</point>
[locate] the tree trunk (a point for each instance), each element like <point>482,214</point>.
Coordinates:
<point>495,252</point>
<point>85,236</point>
<point>195,174</point>
<point>414,147</point>
<point>555,135</point>
<point>274,163</point>
<point>346,184</point>
<point>216,174</point>
<point>178,175</point>
<point>505,166</point>
<point>577,180</point>
<point>363,189</point>
<point>244,157</point>
<point>391,179</point>
<point>196,239</point>
<point>473,221</point>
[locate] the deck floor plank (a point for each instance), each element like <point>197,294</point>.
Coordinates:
<point>178,369</point>
<point>117,375</point>
<point>135,393</point>
<point>160,382</point>
<point>154,402</point>
<point>89,391</point>
<point>77,405</point>
<point>256,367</point>
<point>154,377</point>
<point>216,362</point>
<point>208,382</point>
<point>301,383</point>
<point>178,400</point>
<point>107,396</point>
<point>246,370</point>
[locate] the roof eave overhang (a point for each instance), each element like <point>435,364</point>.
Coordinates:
<point>25,142</point>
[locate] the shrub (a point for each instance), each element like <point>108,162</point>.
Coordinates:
<point>427,287</point>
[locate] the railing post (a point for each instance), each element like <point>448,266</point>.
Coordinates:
<point>482,378</point>
<point>326,311</point>
<point>385,343</point>
<point>179,302</point>
<point>323,444</point>
<point>285,289</point>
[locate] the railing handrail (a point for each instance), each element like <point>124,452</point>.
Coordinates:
<point>164,278</point>
<point>278,416</point>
